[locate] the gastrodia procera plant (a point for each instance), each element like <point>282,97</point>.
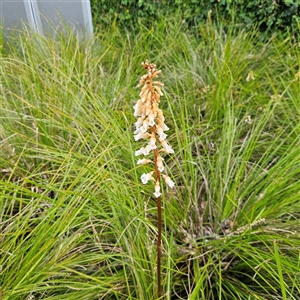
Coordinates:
<point>151,127</point>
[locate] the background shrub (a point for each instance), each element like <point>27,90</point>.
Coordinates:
<point>267,14</point>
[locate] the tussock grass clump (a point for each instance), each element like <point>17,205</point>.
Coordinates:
<point>75,221</point>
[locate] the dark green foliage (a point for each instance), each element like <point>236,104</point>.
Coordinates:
<point>126,12</point>
<point>267,14</point>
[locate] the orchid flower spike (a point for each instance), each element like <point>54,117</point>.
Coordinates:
<point>151,126</point>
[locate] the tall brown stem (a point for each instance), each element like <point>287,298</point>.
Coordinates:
<point>159,226</point>
<point>159,221</point>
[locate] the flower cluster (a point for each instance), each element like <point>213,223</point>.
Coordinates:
<point>151,126</point>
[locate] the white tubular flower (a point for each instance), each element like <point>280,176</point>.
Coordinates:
<point>166,147</point>
<point>141,135</point>
<point>157,192</point>
<point>168,181</point>
<point>139,123</point>
<point>144,150</point>
<point>152,142</point>
<point>137,130</point>
<point>145,126</point>
<point>146,177</point>
<point>144,161</point>
<point>151,119</point>
<point>147,150</point>
<point>161,133</point>
<point>140,151</point>
<point>160,164</point>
